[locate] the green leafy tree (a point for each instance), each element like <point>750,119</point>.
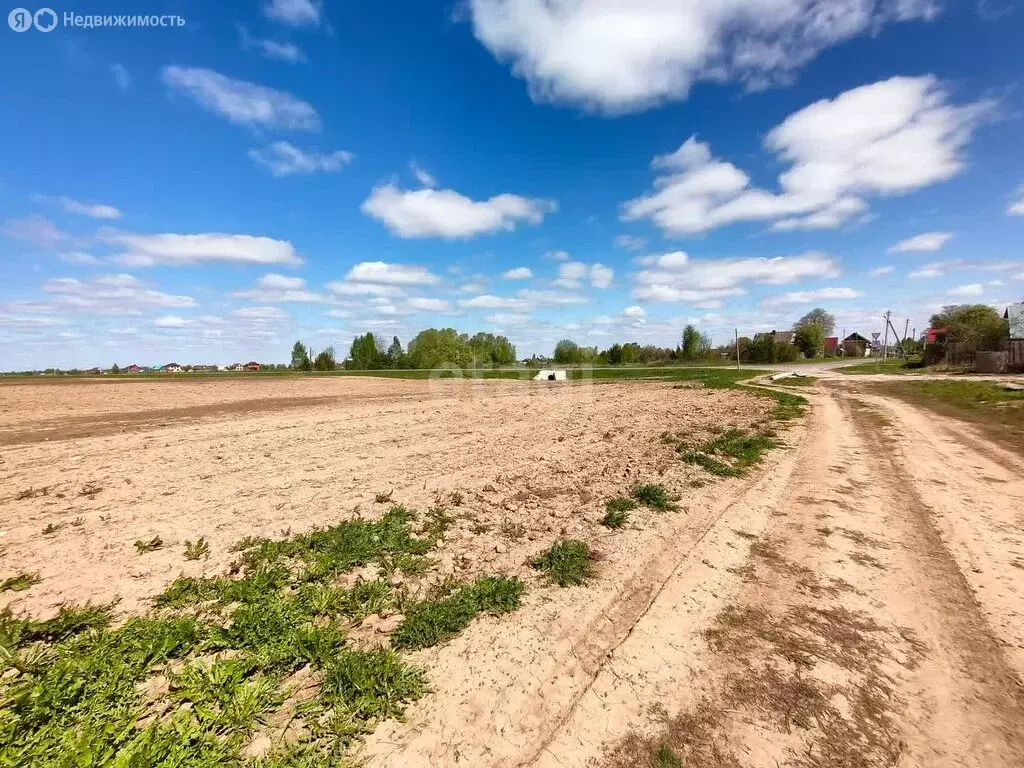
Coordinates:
<point>436,348</point>
<point>613,356</point>
<point>395,357</point>
<point>567,352</point>
<point>810,339</point>
<point>325,360</point>
<point>115,368</point>
<point>631,353</point>
<point>696,345</point>
<point>300,357</point>
<point>820,318</point>
<point>364,354</point>
<point>486,349</point>
<point>972,326</point>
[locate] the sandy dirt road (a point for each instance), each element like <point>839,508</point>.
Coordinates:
<point>861,603</point>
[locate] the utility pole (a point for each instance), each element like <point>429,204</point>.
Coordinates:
<point>885,342</point>
<point>737,348</point>
<point>903,346</point>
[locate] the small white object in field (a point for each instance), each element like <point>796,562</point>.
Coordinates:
<point>546,375</point>
<point>788,375</point>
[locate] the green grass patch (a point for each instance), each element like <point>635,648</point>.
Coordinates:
<point>220,652</point>
<point>567,563</point>
<point>19,583</point>
<point>899,365</point>
<point>433,621</point>
<point>668,759</point>
<point>742,449</point>
<point>615,518</point>
<point>620,504</point>
<point>653,496</point>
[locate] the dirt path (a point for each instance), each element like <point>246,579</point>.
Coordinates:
<point>860,604</point>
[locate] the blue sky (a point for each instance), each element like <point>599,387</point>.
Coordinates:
<point>283,169</point>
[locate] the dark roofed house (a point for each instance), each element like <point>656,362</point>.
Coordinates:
<point>856,345</point>
<point>780,337</point>
<point>252,366</point>
<point>1014,316</point>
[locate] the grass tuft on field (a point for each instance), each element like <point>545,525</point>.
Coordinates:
<point>567,563</point>
<point>730,454</point>
<point>654,496</point>
<point>433,621</point>
<point>195,680</point>
<point>19,583</point>
<point>615,518</point>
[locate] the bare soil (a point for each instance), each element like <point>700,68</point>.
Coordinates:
<point>856,601</point>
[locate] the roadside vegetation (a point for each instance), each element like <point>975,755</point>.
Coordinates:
<point>995,410</point>
<point>899,365</point>
<point>251,668</point>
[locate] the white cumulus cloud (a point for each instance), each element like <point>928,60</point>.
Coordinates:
<point>36,230</point>
<point>519,273</point>
<point>122,79</point>
<point>971,289</point>
<point>880,271</point>
<point>811,297</point>
<point>94,210</point>
<point>272,49</point>
<point>274,288</point>
<point>926,241</point>
<point>571,275</point>
<point>384,273</point>
<point>1016,208</point>
<point>888,138</point>
<point>634,311</point>
<point>240,101</point>
<point>295,13</point>
<point>177,250</point>
<point>110,294</point>
<point>449,215</point>
<point>170,321</point>
<point>676,277</point>
<point>626,56</point>
<point>284,159</point>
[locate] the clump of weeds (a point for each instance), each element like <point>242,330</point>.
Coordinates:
<point>197,550</point>
<point>90,490</point>
<point>654,496</point>
<point>511,530</point>
<point>195,680</point>
<point>567,563</point>
<point>31,493</point>
<point>615,518</point>
<point>142,547</point>
<point>19,583</point>
<point>729,454</point>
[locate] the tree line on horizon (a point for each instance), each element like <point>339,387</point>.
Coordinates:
<point>430,348</point>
